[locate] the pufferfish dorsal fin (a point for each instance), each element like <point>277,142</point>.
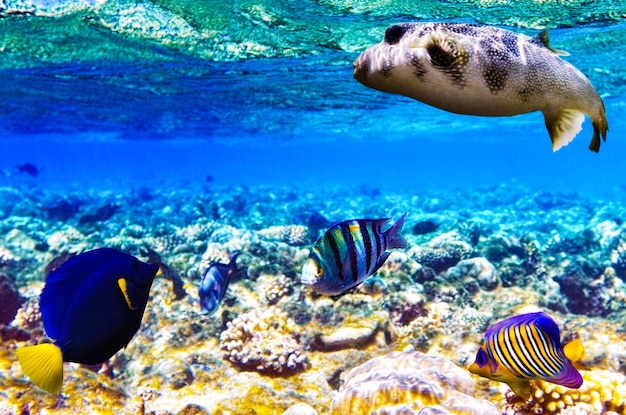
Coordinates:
<point>544,38</point>
<point>127,292</point>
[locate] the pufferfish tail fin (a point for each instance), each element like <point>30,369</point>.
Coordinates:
<point>600,127</point>
<point>563,125</point>
<point>43,364</point>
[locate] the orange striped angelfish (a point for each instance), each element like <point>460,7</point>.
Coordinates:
<point>528,347</point>
<point>349,252</point>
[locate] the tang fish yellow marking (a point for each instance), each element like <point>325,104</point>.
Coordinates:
<point>121,282</point>
<point>484,70</point>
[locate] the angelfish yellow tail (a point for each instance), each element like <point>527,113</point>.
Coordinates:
<point>43,364</point>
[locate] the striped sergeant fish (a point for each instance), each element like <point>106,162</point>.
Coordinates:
<point>528,347</point>
<point>349,252</point>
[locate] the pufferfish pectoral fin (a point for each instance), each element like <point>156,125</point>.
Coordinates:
<point>563,125</point>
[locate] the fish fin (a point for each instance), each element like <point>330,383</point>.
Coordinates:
<point>544,38</point>
<point>563,126</point>
<point>575,352</point>
<point>393,237</point>
<point>233,269</point>
<point>43,364</point>
<point>380,263</point>
<point>127,291</point>
<point>520,388</point>
<point>600,127</point>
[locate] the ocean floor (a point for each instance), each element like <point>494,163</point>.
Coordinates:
<point>275,347</point>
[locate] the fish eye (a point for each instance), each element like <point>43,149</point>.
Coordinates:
<point>319,271</point>
<point>481,358</point>
<point>394,33</point>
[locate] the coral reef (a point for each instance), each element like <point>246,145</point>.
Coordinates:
<point>442,252</point>
<point>276,346</point>
<point>265,341</point>
<point>478,270</point>
<point>408,383</point>
<point>275,287</point>
<point>602,392</point>
<point>10,299</point>
<point>296,235</point>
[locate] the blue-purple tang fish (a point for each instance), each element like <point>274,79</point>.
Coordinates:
<point>349,252</point>
<point>92,305</point>
<point>215,282</point>
<point>528,347</point>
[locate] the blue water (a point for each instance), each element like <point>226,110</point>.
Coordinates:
<point>285,121</point>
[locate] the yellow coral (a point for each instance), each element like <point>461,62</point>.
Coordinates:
<point>601,392</point>
<point>405,383</point>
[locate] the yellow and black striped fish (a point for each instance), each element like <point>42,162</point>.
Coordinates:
<point>528,347</point>
<point>349,252</point>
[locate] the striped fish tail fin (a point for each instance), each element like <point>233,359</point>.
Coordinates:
<point>570,378</point>
<point>393,239</point>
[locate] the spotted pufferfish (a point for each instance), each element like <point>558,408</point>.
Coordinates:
<point>484,70</point>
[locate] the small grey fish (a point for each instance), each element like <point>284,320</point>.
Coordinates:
<point>214,283</point>
<point>349,252</point>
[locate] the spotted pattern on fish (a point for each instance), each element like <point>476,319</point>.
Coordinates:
<point>484,70</point>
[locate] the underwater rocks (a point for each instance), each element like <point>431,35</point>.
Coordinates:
<point>442,252</point>
<point>475,271</point>
<point>10,299</point>
<point>264,340</point>
<point>295,235</point>
<point>618,255</point>
<point>585,284</point>
<point>406,383</point>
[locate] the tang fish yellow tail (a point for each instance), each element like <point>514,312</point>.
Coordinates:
<point>43,364</point>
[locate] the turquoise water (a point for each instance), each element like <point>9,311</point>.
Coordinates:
<point>89,102</point>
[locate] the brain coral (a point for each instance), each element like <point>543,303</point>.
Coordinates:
<point>265,340</point>
<point>409,383</point>
<point>296,235</point>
